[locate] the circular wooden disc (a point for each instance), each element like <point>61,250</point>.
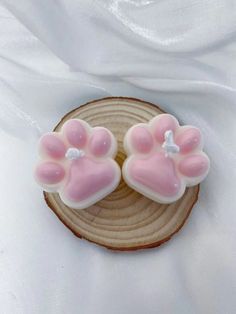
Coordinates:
<point>124,220</point>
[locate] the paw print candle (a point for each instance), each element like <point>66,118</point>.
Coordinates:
<point>164,158</point>
<point>78,163</point>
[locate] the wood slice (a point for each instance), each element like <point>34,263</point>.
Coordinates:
<point>124,220</point>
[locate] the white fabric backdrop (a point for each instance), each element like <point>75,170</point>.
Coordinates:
<point>57,54</point>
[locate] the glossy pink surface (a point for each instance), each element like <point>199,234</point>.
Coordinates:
<point>156,172</point>
<point>163,167</point>
<point>141,139</point>
<point>75,133</point>
<point>77,163</point>
<point>50,173</point>
<point>87,177</point>
<point>52,146</point>
<point>188,140</point>
<point>194,165</point>
<point>100,142</point>
<point>164,123</point>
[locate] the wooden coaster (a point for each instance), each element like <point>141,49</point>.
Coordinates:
<point>124,220</point>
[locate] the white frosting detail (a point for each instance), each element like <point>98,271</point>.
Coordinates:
<point>169,145</point>
<point>74,153</point>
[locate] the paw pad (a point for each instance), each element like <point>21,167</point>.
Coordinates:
<point>77,162</point>
<point>164,158</point>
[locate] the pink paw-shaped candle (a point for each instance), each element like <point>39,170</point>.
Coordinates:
<point>78,163</point>
<point>164,158</point>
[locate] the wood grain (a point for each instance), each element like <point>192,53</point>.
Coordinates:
<point>124,220</point>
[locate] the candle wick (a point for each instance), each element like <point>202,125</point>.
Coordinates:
<point>74,153</point>
<point>169,145</point>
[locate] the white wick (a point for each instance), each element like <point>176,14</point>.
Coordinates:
<point>169,145</point>
<point>74,153</point>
